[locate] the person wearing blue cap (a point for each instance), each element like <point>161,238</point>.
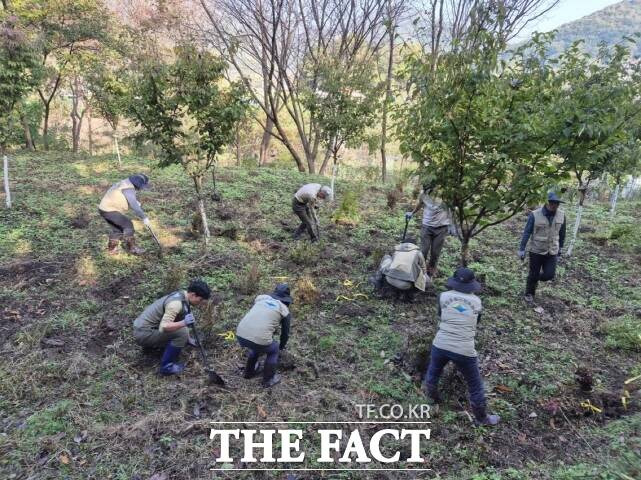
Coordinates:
<point>546,229</point>
<point>118,199</point>
<point>255,332</point>
<point>459,310</point>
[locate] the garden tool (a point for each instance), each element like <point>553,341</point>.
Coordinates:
<point>156,240</point>
<point>407,221</point>
<point>214,378</point>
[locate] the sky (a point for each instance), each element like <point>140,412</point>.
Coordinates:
<point>566,11</point>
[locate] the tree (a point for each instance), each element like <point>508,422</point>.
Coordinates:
<point>19,74</point>
<point>597,106</point>
<point>65,27</point>
<point>282,43</point>
<point>478,126</point>
<point>345,103</point>
<point>627,161</point>
<point>187,110</point>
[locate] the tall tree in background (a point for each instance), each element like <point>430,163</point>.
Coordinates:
<point>478,126</point>
<point>282,42</point>
<point>597,109</point>
<point>19,74</point>
<point>66,27</point>
<point>186,109</point>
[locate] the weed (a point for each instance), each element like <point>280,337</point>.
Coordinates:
<point>306,293</point>
<point>174,276</point>
<point>393,196</point>
<point>304,253</point>
<point>248,282</point>
<point>623,333</point>
<point>347,212</point>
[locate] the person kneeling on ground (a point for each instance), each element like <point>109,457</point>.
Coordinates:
<point>403,271</point>
<point>304,206</point>
<point>118,199</point>
<point>256,329</point>
<point>460,311</point>
<point>165,323</point>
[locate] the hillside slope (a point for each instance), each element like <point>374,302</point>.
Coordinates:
<point>609,25</point>
<point>79,400</point>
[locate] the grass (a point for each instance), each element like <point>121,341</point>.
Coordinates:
<point>67,308</point>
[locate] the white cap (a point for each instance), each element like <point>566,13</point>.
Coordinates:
<point>327,191</point>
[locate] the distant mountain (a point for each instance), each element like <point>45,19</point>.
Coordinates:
<point>609,25</point>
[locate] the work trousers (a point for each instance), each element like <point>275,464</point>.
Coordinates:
<point>432,241</point>
<point>256,350</point>
<point>307,221</point>
<point>119,223</point>
<point>542,269</point>
<point>468,366</point>
<point>157,339</point>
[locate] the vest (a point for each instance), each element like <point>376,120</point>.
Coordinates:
<point>152,315</point>
<point>545,237</point>
<point>457,328</point>
<point>407,265</point>
<point>262,320</point>
<point>114,200</point>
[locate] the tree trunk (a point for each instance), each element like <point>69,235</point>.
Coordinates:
<point>28,139</point>
<point>465,251</point>
<point>238,146</point>
<point>334,174</point>
<point>615,197</point>
<point>89,131</point>
<point>198,184</point>
<point>45,127</point>
<point>577,221</point>
<point>7,191</point>
<point>388,98</point>
<point>263,153</point>
<point>117,147</point>
<point>328,155</point>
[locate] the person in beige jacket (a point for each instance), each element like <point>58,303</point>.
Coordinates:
<point>118,199</point>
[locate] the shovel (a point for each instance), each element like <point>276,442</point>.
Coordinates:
<point>214,378</point>
<point>155,240</point>
<point>407,221</point>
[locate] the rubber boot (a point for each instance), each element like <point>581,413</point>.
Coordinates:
<point>168,362</point>
<point>270,377</point>
<point>250,367</point>
<point>481,416</point>
<point>112,246</point>
<point>130,245</point>
<point>432,392</point>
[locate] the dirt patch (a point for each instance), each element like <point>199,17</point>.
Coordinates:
<point>30,271</point>
<point>81,221</point>
<point>351,309</point>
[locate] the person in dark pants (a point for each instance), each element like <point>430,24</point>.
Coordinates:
<point>118,199</point>
<point>459,310</point>
<point>255,332</point>
<point>546,229</point>
<point>165,324</point>
<point>434,228</point>
<point>304,204</point>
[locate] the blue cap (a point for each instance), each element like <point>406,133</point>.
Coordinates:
<point>553,197</point>
<point>140,181</point>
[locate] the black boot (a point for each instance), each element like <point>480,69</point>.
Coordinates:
<point>481,416</point>
<point>432,392</point>
<point>250,367</point>
<point>270,377</point>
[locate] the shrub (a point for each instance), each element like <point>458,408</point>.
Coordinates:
<point>304,254</point>
<point>174,276</point>
<point>347,212</point>
<point>620,231</point>
<point>393,196</point>
<point>248,282</point>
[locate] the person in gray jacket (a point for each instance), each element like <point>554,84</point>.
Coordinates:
<point>256,330</point>
<point>118,199</point>
<point>403,271</point>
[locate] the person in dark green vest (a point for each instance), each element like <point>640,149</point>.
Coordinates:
<point>545,229</point>
<point>165,324</point>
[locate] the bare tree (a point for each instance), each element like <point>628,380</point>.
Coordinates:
<point>77,113</point>
<point>281,42</point>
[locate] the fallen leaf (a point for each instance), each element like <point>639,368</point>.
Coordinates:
<point>64,459</point>
<point>533,415</point>
<point>158,476</point>
<point>503,389</point>
<point>261,411</point>
<point>539,310</point>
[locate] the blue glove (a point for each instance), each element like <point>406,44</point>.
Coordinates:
<point>189,319</point>
<point>408,215</point>
<point>521,254</point>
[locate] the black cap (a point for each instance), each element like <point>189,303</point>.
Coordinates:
<point>464,281</point>
<point>140,181</point>
<point>281,292</point>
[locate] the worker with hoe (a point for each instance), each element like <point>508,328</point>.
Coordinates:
<point>402,272</point>
<point>546,228</point>
<point>165,324</point>
<point>118,199</point>
<point>305,205</point>
<point>256,330</point>
<point>459,310</point>
<point>435,225</point>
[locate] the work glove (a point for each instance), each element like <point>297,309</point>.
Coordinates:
<point>146,221</point>
<point>189,319</point>
<point>408,215</point>
<point>521,254</point>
